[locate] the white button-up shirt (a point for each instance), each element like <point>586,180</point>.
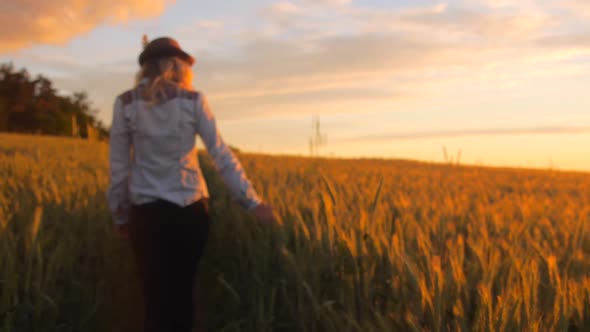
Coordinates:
<point>153,153</point>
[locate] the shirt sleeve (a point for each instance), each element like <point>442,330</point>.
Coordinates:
<point>119,160</point>
<point>224,160</point>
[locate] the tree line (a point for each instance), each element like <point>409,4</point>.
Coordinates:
<point>32,105</point>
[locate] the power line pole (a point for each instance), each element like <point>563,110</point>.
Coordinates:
<point>317,139</point>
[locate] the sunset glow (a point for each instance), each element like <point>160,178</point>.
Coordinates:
<point>504,82</point>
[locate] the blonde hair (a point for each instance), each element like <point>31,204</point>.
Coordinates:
<point>165,72</point>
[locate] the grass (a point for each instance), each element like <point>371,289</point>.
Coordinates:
<point>361,245</point>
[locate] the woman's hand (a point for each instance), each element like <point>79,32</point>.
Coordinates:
<point>264,212</point>
<point>122,231</point>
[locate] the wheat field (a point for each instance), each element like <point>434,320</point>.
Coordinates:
<point>360,245</point>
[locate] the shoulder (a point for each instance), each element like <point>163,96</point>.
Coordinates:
<point>175,92</point>
<point>171,92</point>
<point>190,94</point>
<point>196,99</point>
<point>126,97</point>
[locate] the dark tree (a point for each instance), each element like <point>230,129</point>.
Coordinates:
<point>33,106</point>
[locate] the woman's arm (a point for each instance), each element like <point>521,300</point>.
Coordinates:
<point>119,159</point>
<point>225,162</point>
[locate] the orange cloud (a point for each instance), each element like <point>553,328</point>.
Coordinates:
<point>27,22</point>
<point>399,55</point>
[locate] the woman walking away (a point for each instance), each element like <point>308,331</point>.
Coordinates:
<point>158,196</point>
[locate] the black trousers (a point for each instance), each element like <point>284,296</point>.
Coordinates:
<point>168,242</point>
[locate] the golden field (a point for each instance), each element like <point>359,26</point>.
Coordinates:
<point>360,245</point>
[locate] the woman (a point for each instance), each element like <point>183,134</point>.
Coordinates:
<point>158,196</point>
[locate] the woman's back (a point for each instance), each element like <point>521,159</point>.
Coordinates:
<point>164,163</point>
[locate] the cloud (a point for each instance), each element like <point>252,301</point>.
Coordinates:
<point>367,57</point>
<point>459,23</point>
<point>282,13</point>
<point>566,41</point>
<point>24,23</point>
<point>410,47</point>
<point>209,24</point>
<point>437,134</point>
<point>329,2</point>
<point>363,67</point>
<point>284,7</point>
<point>578,7</point>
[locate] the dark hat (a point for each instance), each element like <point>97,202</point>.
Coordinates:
<point>164,47</point>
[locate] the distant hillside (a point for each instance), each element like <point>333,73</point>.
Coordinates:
<point>27,143</point>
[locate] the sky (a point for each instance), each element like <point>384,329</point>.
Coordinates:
<point>502,82</point>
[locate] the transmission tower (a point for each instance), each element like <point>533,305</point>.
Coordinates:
<point>317,139</point>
